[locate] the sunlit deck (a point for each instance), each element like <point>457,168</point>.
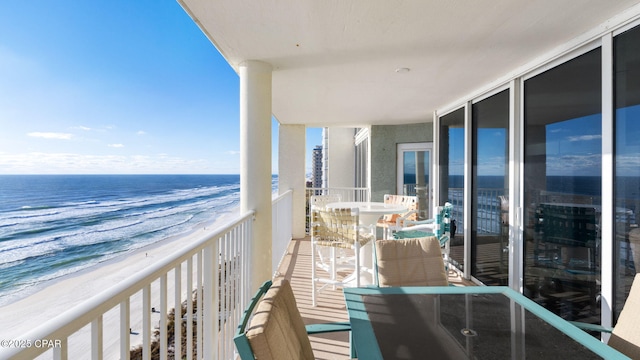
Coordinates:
<point>296,266</point>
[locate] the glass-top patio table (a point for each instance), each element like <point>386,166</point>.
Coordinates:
<point>474,322</point>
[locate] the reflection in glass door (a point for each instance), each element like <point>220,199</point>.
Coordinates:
<point>414,166</point>
<point>562,187</point>
<point>627,164</point>
<point>451,178</point>
<point>490,190</point>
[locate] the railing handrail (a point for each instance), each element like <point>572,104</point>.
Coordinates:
<point>281,231</point>
<point>280,197</point>
<point>84,313</point>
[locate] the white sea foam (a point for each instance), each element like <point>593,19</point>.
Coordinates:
<point>80,233</point>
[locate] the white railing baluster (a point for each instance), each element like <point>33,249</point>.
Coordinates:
<point>146,322</point>
<point>222,286</point>
<point>209,306</point>
<point>199,306</point>
<point>96,338</point>
<point>61,353</point>
<point>189,314</point>
<point>228,294</point>
<point>177,317</point>
<point>125,330</point>
<point>230,291</point>
<point>163,317</point>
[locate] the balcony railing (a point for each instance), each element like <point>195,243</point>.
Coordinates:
<point>282,223</point>
<point>488,209</point>
<point>213,270</point>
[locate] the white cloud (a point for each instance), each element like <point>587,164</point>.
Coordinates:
<point>51,135</point>
<point>116,145</point>
<point>82,128</point>
<point>584,137</point>
<point>232,152</point>
<point>141,132</point>
<point>492,166</point>
<point>574,165</point>
<point>71,163</point>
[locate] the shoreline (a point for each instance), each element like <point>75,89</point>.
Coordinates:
<point>66,292</point>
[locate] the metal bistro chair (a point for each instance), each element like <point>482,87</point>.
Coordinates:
<point>625,336</point>
<point>336,230</point>
<point>410,262</point>
<point>392,222</point>
<point>440,227</point>
<point>276,330</point>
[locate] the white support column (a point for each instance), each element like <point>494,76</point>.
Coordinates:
<point>342,154</point>
<point>255,162</point>
<point>291,172</point>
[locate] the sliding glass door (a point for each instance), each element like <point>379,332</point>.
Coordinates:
<point>562,187</point>
<point>490,190</point>
<point>626,77</point>
<point>451,178</point>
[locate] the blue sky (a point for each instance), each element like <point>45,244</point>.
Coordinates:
<point>115,86</point>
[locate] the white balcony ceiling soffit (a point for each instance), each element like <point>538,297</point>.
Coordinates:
<point>335,61</point>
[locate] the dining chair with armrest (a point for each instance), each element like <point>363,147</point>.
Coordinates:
<point>625,336</point>
<point>275,330</point>
<point>337,230</point>
<point>410,262</point>
<point>440,226</point>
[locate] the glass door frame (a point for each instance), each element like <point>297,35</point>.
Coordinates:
<point>606,222</point>
<point>427,147</point>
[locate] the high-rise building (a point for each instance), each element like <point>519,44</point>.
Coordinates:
<point>316,167</point>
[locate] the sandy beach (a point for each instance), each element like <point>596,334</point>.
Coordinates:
<point>26,314</point>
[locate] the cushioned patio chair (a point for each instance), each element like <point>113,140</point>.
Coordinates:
<point>440,226</point>
<point>625,336</point>
<point>410,262</point>
<point>276,330</point>
<point>336,230</point>
<point>392,222</point>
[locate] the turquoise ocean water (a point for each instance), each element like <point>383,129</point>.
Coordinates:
<point>54,225</point>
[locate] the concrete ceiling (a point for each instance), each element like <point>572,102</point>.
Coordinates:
<point>335,61</point>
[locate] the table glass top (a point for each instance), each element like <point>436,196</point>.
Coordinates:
<point>464,326</point>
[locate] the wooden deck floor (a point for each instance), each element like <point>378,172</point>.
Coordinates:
<point>296,266</point>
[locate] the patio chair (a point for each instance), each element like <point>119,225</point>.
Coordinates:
<point>392,222</point>
<point>337,230</point>
<point>625,336</point>
<point>410,262</point>
<point>440,227</point>
<point>276,330</point>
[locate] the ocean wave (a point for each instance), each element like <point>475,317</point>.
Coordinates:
<point>39,243</point>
